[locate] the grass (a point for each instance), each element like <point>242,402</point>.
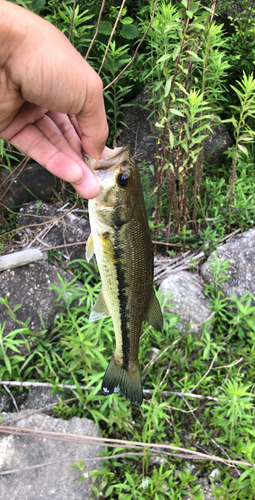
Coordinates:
<point>198,393</point>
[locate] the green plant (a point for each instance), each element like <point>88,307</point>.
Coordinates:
<point>185,44</point>
<point>242,131</point>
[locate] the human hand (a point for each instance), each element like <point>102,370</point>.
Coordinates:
<point>51,100</point>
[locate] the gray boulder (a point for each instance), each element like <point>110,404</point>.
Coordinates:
<point>216,144</point>
<point>38,181</point>
<point>186,299</point>
<point>138,130</point>
<point>56,481</point>
<point>240,251</point>
<point>29,285</point>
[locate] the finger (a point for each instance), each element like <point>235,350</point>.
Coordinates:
<point>35,144</point>
<point>67,130</point>
<point>28,113</point>
<point>51,131</point>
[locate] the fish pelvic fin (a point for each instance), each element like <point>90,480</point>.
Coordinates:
<point>127,382</point>
<point>154,315</point>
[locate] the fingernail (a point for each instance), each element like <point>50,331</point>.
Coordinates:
<point>79,182</point>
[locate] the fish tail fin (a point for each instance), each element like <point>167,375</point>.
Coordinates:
<point>127,382</point>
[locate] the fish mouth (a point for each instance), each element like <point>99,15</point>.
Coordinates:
<point>111,157</point>
<point>107,208</point>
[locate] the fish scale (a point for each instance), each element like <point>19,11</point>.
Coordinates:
<point>120,239</point>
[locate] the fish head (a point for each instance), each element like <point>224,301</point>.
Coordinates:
<point>120,186</point>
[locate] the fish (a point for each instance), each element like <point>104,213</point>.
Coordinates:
<point>120,239</point>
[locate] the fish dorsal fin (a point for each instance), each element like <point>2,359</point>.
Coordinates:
<point>89,248</point>
<point>100,309</point>
<point>154,315</point>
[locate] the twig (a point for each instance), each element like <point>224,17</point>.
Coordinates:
<point>152,361</point>
<point>228,366</point>
<point>111,35</point>
<point>61,246</point>
<point>39,410</point>
<point>71,25</point>
<point>206,433</point>
<point>208,371</point>
<point>13,180</point>
<point>42,223</point>
<point>10,394</point>
<point>71,459</point>
<point>96,33</point>
<point>99,441</point>
<point>136,50</point>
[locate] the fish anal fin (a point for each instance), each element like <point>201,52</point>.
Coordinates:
<point>154,315</point>
<point>127,382</point>
<point>89,248</point>
<point>100,309</point>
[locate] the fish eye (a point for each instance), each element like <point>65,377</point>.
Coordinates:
<point>123,179</point>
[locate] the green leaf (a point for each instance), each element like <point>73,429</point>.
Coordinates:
<point>176,112</point>
<point>243,149</point>
<point>130,31</point>
<point>168,86</point>
<point>189,13</point>
<point>165,57</point>
<point>126,20</point>
<point>105,28</point>
<point>176,52</point>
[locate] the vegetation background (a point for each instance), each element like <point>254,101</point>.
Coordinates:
<point>197,61</point>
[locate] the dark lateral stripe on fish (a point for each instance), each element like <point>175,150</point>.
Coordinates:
<point>122,296</point>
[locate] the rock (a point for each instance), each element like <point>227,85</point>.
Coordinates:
<point>240,251</point>
<point>28,285</point>
<point>39,397</point>
<point>138,133</point>
<point>69,229</point>
<point>187,299</point>
<point>216,144</point>
<point>56,481</point>
<point>34,177</point>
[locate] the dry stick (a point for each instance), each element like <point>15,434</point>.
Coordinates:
<point>12,172</point>
<point>61,246</point>
<point>71,25</point>
<point>42,223</point>
<point>84,388</point>
<point>208,371</point>
<point>111,35</point>
<point>10,394</point>
<point>208,435</point>
<point>99,441</point>
<point>96,33</point>
<point>137,48</point>
<point>22,168</point>
<point>39,410</point>
<point>228,366</point>
<point>151,362</point>
<point>119,455</point>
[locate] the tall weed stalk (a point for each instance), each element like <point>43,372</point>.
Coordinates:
<point>188,71</point>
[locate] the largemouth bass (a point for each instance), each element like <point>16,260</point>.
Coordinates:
<point>120,239</point>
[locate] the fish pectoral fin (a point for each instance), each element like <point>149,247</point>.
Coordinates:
<point>154,315</point>
<point>100,309</point>
<point>127,382</point>
<point>89,248</point>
